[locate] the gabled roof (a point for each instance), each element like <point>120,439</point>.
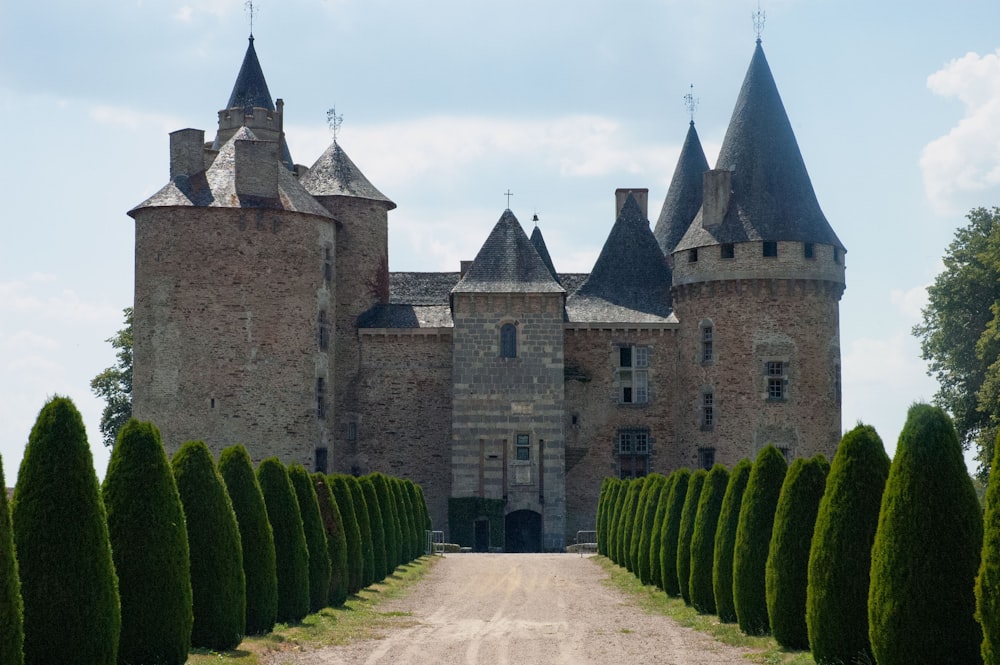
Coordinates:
<point>250,89</point>
<point>630,274</point>
<point>508,263</point>
<point>543,252</point>
<point>684,195</point>
<point>334,174</point>
<point>772,195</point>
<point>215,187</point>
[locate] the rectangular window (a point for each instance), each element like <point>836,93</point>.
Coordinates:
<point>633,374</point>
<point>693,255</point>
<point>327,265</point>
<point>706,458</point>
<point>625,356</point>
<point>809,250</point>
<point>320,398</point>
<point>728,250</point>
<point>770,248</point>
<point>321,460</point>
<point>632,451</point>
<point>836,255</point>
<point>707,410</point>
<point>324,330</point>
<point>352,431</point>
<point>522,448</point>
<point>707,334</point>
<point>777,380</point>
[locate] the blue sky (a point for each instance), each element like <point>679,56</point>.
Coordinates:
<point>447,104</point>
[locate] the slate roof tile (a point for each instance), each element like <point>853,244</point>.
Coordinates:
<point>684,194</point>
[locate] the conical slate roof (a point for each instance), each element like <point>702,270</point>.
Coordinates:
<point>508,263</point>
<point>773,198</point>
<point>684,195</point>
<point>334,174</point>
<point>631,273</point>
<point>543,252</point>
<point>251,88</point>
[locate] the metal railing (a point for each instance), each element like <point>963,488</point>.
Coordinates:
<point>434,542</point>
<point>586,540</point>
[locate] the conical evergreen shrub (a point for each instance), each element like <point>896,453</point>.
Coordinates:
<point>671,530</point>
<point>406,500</point>
<point>753,538</point>
<point>424,509</point>
<point>291,552</point>
<point>68,582</point>
<point>725,541</point>
<point>921,603</point>
<point>615,509</point>
<point>149,546</point>
<point>416,519</point>
<point>377,527</point>
<point>362,515</point>
<point>256,537</point>
<point>655,537</point>
<point>638,521</point>
<point>706,522</point>
<point>602,499</point>
<point>218,586</point>
<point>312,526</point>
<point>11,609</point>
<point>689,512</point>
<point>787,568</point>
<point>390,522</point>
<point>404,533</point>
<point>631,508</point>
<point>841,553</point>
<point>336,541</point>
<point>352,532</point>
<point>653,487</point>
<point>988,580</point>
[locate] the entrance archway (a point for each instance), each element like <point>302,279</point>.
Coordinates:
<point>523,531</point>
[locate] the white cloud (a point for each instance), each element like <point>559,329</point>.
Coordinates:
<point>966,161</point>
<point>184,14</point>
<point>910,303</point>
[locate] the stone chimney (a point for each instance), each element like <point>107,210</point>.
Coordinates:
<point>464,267</point>
<point>717,188</point>
<point>641,197</point>
<point>257,168</point>
<point>187,152</point>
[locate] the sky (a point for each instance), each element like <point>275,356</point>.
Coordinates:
<point>447,105</point>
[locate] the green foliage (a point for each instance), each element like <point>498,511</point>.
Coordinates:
<point>114,385</point>
<point>840,555</point>
<point>463,513</point>
<point>628,522</point>
<point>921,603</point>
<point>671,530</point>
<point>787,568</point>
<point>689,511</point>
<point>725,541</point>
<point>655,539</point>
<point>256,537</point>
<point>11,609</point>
<point>703,539</point>
<point>352,532</point>
<point>218,586</point>
<point>68,582</point>
<point>960,333</point>
<point>378,526</point>
<point>653,487</point>
<point>988,580</point>
<point>390,521</point>
<point>753,537</point>
<point>638,521</point>
<point>336,541</point>
<point>364,525</point>
<point>602,515</point>
<point>149,546</point>
<point>425,511</point>
<point>291,551</point>
<point>407,494</point>
<point>615,510</point>
<point>312,526</point>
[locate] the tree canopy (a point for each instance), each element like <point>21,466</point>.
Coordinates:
<point>114,384</point>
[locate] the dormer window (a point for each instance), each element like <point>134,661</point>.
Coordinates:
<point>508,341</point>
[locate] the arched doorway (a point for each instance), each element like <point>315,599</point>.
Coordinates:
<point>523,531</point>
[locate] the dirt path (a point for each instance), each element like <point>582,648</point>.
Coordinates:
<point>521,609</point>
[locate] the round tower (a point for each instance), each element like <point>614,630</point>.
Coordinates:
<point>757,280</point>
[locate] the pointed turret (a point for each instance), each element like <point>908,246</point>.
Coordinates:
<point>684,195</point>
<point>334,174</point>
<point>508,263</point>
<point>770,196</point>
<point>543,252</point>
<point>250,90</point>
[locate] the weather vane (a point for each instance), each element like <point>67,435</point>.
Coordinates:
<point>334,121</point>
<point>508,194</point>
<point>251,11</point>
<point>691,102</point>
<point>759,17</point>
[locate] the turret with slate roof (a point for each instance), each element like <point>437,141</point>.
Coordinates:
<point>543,252</point>
<point>683,198</point>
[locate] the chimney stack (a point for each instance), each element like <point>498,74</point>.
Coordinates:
<point>641,197</point>
<point>717,188</point>
<point>257,168</point>
<point>187,152</point>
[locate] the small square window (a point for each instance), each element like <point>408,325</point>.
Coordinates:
<point>808,250</point>
<point>727,250</point>
<point>770,248</point>
<point>693,255</point>
<point>522,449</point>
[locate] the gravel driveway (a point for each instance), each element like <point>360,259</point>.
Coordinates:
<point>521,609</point>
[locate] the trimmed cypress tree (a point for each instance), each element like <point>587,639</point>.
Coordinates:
<point>602,516</point>
<point>336,541</point>
<point>390,521</point>
<point>68,582</point>
<point>362,515</point>
<point>631,508</point>
<point>403,520</point>
<point>414,539</point>
<point>655,541</point>
<point>689,511</point>
<point>753,539</point>
<point>638,519</point>
<point>921,603</point>
<point>706,522</point>
<point>377,523</point>
<point>416,518</point>
<point>352,532</point>
<point>787,569</point>
<point>654,485</point>
<point>218,586</point>
<point>149,546</point>
<point>725,541</point>
<point>291,552</point>
<point>841,553</point>
<point>670,531</point>
<point>11,609</point>
<point>312,526</point>
<point>626,508</point>
<point>256,537</point>
<point>988,580</point>
<point>614,518</point>
<point>424,509</point>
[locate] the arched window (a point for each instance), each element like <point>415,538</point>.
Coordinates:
<point>508,341</point>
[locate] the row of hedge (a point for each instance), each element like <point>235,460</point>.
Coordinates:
<point>169,555</point>
<point>858,560</point>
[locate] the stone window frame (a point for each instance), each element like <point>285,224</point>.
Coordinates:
<point>706,458</point>
<point>776,379</point>
<point>633,445</point>
<point>707,409</point>
<point>632,373</point>
<point>507,339</point>
<point>706,341</point>
<point>522,447</point>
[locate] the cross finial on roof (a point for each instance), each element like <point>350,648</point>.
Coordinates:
<point>534,218</point>
<point>334,121</point>
<point>691,102</point>
<point>251,12</point>
<point>759,17</point>
<point>508,194</point>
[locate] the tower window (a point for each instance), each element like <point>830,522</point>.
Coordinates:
<point>809,250</point>
<point>320,398</point>
<point>707,350</point>
<point>706,458</point>
<point>323,330</point>
<point>727,250</point>
<point>836,255</point>
<point>693,255</point>
<point>632,451</point>
<point>522,447</point>
<point>321,462</point>
<point>707,410</point>
<point>508,340</point>
<point>770,248</point>
<point>633,374</point>
<point>777,380</point>
<point>327,265</point>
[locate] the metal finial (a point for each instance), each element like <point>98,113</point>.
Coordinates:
<point>534,218</point>
<point>334,121</point>
<point>251,12</point>
<point>508,194</point>
<point>691,102</point>
<point>759,17</point>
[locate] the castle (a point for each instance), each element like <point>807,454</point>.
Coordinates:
<point>265,314</point>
